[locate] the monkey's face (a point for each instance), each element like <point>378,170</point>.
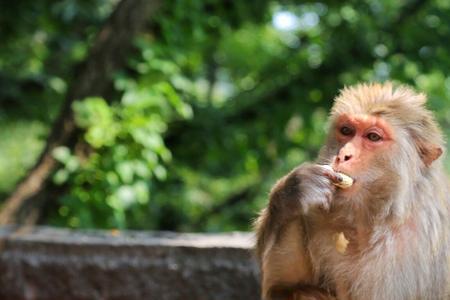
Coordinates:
<point>362,143</point>
<point>384,138</point>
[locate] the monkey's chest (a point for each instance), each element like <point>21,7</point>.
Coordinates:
<point>337,254</point>
<point>341,238</point>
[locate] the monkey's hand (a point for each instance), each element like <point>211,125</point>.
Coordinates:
<point>305,187</point>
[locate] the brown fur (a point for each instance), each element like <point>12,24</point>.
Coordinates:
<point>397,226</point>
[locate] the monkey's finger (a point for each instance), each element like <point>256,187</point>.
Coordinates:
<point>333,176</point>
<point>338,179</point>
<point>326,204</point>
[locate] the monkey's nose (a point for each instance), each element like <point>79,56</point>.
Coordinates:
<point>343,158</point>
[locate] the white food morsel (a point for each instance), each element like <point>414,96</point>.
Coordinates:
<point>344,181</point>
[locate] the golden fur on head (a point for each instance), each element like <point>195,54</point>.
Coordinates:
<point>400,104</point>
<point>377,99</point>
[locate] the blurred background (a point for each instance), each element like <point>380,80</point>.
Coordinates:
<point>194,121</point>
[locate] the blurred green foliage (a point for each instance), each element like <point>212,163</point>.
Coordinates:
<point>219,99</point>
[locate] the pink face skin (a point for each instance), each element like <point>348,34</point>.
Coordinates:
<point>360,137</point>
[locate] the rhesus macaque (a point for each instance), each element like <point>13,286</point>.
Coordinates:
<point>385,237</point>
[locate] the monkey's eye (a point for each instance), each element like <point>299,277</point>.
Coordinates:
<point>345,130</point>
<point>374,137</point>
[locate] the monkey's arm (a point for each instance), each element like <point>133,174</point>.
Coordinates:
<point>281,234</point>
<point>283,257</point>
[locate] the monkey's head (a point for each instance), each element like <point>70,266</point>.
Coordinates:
<point>382,136</point>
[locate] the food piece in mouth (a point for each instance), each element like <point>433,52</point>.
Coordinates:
<point>341,180</point>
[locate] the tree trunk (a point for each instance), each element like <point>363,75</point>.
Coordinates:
<point>92,78</point>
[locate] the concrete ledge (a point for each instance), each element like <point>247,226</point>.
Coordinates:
<point>49,263</point>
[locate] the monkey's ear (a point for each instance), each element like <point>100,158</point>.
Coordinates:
<point>429,153</point>
<point>428,139</point>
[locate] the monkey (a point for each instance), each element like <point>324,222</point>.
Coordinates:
<point>385,237</point>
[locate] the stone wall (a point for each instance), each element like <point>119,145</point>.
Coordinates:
<point>49,263</point>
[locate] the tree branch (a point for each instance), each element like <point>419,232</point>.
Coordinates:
<point>92,78</point>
